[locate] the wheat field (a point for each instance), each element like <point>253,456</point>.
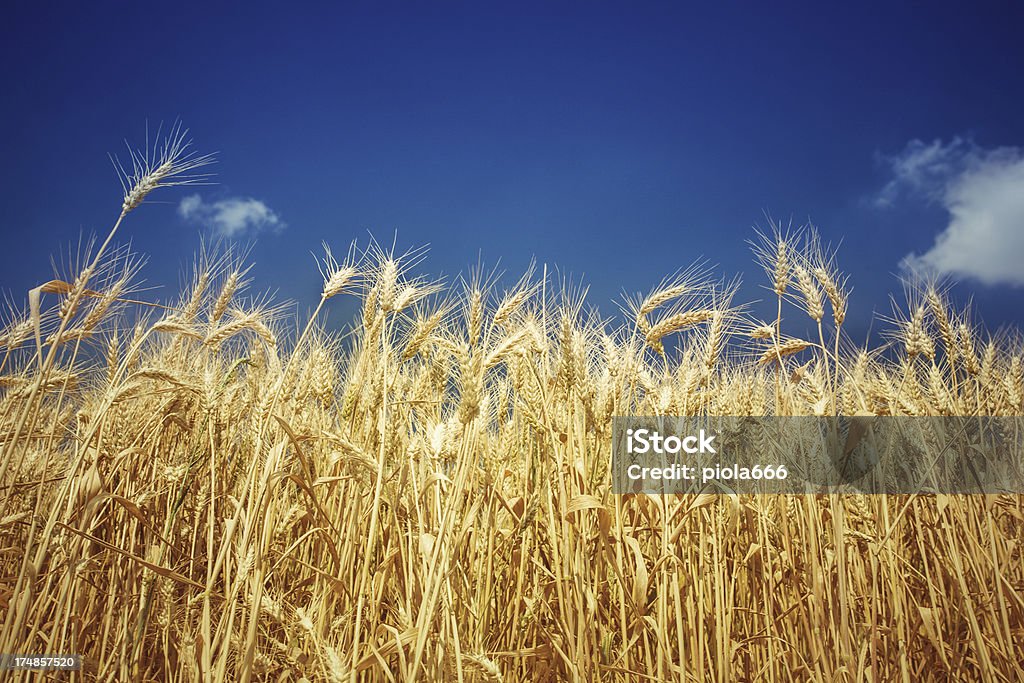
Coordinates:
<point>204,490</point>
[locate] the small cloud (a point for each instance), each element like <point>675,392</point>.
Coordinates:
<point>232,217</point>
<point>982,191</point>
<point>924,169</point>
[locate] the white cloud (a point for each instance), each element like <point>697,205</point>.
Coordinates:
<point>231,217</point>
<point>982,190</point>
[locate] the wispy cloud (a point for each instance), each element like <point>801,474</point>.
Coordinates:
<point>232,217</point>
<point>982,191</point>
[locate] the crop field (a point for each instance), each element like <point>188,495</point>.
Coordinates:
<point>203,490</point>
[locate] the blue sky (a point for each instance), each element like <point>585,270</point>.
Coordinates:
<point>618,142</point>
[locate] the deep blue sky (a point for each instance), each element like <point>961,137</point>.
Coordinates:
<point>620,142</point>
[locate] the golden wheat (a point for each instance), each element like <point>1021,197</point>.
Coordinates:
<point>203,496</point>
